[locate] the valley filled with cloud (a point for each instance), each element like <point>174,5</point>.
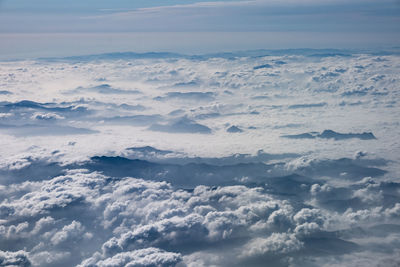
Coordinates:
<point>255,158</point>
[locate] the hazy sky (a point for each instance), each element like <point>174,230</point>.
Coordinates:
<point>54,27</point>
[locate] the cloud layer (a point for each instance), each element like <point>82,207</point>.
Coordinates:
<point>285,157</point>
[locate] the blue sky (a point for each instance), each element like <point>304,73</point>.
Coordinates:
<point>28,27</point>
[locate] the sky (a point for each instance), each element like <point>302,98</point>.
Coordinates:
<point>59,28</point>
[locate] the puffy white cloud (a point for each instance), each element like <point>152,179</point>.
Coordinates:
<point>277,243</point>
<point>18,258</point>
<point>71,231</point>
<point>50,257</point>
<point>140,258</point>
<point>42,223</point>
<point>53,194</point>
<point>46,116</point>
<point>309,215</point>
